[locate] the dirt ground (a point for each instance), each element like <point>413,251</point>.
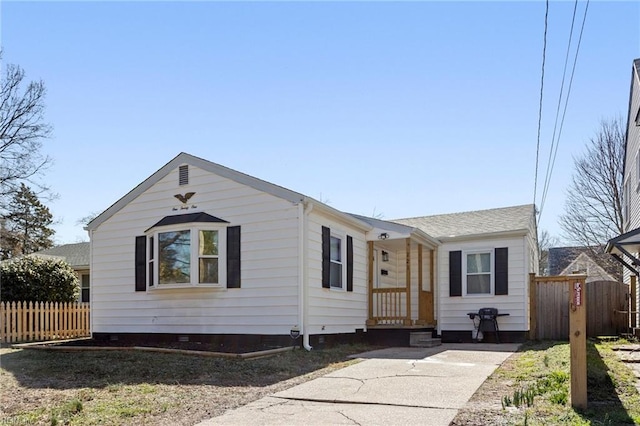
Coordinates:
<point>485,406</point>
<point>118,388</point>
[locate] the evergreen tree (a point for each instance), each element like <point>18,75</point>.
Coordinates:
<point>25,225</point>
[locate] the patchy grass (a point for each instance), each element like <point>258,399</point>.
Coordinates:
<point>538,378</point>
<point>131,388</point>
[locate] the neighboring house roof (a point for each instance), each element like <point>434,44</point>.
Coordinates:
<point>584,264</point>
<point>505,220</point>
<point>250,181</point>
<point>561,257</point>
<point>566,260</point>
<point>76,255</point>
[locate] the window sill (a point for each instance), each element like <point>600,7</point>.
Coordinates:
<point>184,286</point>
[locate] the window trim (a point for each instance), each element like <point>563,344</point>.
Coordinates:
<point>343,260</point>
<point>152,257</point>
<point>492,272</point>
<point>83,288</point>
<point>637,164</point>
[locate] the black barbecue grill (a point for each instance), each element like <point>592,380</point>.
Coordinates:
<point>486,320</point>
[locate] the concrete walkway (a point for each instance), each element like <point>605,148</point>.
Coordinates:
<point>400,386</point>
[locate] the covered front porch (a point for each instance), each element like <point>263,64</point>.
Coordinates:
<point>401,277</point>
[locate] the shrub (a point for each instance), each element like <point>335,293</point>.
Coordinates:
<point>37,279</point>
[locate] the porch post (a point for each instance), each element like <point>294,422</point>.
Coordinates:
<point>422,308</point>
<point>407,320</point>
<point>370,320</point>
<point>419,267</point>
<point>632,300</point>
<point>533,306</point>
<point>432,286</point>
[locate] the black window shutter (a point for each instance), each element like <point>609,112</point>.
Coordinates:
<point>141,263</point>
<point>233,257</point>
<point>502,270</point>
<point>349,263</point>
<point>326,257</point>
<point>455,273</point>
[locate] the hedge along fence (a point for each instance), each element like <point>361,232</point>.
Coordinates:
<point>33,321</point>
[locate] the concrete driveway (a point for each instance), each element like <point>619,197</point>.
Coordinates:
<point>408,386</point>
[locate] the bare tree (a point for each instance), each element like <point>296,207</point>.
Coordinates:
<point>22,130</point>
<point>545,242</point>
<point>593,209</point>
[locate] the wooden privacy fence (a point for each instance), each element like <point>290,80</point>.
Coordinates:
<point>607,307</point>
<point>33,321</point>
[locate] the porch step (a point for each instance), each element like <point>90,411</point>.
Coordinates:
<point>423,339</point>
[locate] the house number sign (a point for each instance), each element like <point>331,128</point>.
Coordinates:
<point>577,293</point>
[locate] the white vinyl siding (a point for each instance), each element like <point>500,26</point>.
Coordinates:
<point>632,201</point>
<point>335,311</point>
<point>266,303</point>
<point>452,312</point>
<point>631,174</point>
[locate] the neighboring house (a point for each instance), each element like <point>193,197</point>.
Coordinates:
<point>201,251</point>
<point>626,247</point>
<point>77,256</point>
<point>570,260</point>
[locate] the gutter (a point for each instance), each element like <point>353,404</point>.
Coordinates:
<point>304,209</point>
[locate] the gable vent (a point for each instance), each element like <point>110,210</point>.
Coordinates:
<point>184,175</point>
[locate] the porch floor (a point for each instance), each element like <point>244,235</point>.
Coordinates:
<point>401,327</point>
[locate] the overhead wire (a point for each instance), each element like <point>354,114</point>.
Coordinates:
<point>555,125</point>
<point>544,54</point>
<point>564,112</point>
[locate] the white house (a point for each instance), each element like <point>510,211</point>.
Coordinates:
<point>626,247</point>
<point>202,252</point>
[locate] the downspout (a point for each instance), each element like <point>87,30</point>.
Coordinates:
<point>91,269</point>
<point>303,212</point>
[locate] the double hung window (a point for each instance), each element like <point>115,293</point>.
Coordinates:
<point>336,262</point>
<point>479,274</point>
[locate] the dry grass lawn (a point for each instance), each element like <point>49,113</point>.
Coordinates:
<point>137,388</point>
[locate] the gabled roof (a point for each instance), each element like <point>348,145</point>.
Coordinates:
<point>561,257</point>
<point>585,264</point>
<point>561,260</point>
<point>397,228</point>
<point>499,221</point>
<point>76,255</point>
<point>234,175</point>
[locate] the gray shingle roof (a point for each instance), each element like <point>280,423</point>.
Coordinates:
<point>385,224</point>
<point>76,255</point>
<point>505,219</point>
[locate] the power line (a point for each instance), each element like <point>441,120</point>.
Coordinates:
<point>575,61</point>
<point>555,125</point>
<point>544,54</point>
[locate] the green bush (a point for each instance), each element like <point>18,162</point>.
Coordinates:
<point>36,279</point>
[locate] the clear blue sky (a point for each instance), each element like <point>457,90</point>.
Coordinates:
<point>393,109</point>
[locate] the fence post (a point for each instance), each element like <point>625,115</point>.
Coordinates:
<point>3,322</point>
<point>12,320</point>
<point>632,302</point>
<point>578,341</point>
<point>533,306</point>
